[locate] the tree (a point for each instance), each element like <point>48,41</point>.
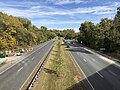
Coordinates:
<point>105,26</point>
<point>19,32</point>
<point>26,23</point>
<point>105,34</point>
<point>116,30</point>
<point>87,34</point>
<point>68,33</point>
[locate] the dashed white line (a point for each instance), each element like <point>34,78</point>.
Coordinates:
<point>22,59</point>
<point>33,58</point>
<point>99,74</point>
<point>82,71</point>
<point>20,69</point>
<point>85,60</point>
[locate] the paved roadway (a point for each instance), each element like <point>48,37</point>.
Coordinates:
<point>101,73</point>
<point>13,78</point>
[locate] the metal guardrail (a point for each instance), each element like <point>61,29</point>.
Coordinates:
<point>28,84</point>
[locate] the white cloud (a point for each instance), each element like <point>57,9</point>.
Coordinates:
<point>61,2</point>
<point>18,4</point>
<point>37,10</point>
<point>117,4</point>
<point>103,12</point>
<point>64,2</point>
<point>42,11</point>
<point>56,22</point>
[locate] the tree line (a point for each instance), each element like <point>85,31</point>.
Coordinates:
<point>105,34</point>
<point>19,32</point>
<point>66,33</point>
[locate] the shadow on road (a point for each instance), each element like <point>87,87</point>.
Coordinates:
<point>78,49</point>
<point>106,79</point>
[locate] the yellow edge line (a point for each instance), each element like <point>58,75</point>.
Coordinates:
<point>34,69</point>
<point>81,71</point>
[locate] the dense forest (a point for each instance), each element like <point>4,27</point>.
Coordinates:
<point>105,34</point>
<point>19,32</point>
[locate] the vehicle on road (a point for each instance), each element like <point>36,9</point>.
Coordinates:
<point>21,50</point>
<point>18,54</point>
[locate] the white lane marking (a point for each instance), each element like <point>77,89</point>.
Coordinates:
<point>112,73</point>
<point>85,60</point>
<point>99,74</point>
<point>33,58</point>
<point>23,58</point>
<point>20,69</point>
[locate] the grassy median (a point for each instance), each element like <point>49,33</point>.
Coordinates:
<point>59,72</point>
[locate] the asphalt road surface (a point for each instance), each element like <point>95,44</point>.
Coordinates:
<point>13,78</point>
<point>101,73</point>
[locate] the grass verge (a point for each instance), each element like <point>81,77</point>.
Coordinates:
<point>59,72</point>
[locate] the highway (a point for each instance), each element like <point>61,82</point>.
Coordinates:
<point>13,78</point>
<point>97,72</point>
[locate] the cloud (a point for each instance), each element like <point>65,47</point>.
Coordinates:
<point>64,2</point>
<point>117,4</point>
<point>17,4</point>
<point>51,13</point>
<point>45,11</point>
<point>34,9</point>
<point>55,22</point>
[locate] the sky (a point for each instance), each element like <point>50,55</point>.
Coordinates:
<point>60,14</point>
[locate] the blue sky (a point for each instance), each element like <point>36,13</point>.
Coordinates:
<point>60,14</point>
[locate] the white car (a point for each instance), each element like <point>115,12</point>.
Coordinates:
<point>18,54</point>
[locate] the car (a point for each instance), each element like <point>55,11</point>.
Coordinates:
<point>18,54</point>
<point>21,50</point>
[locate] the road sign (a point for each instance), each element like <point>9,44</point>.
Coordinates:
<point>102,49</point>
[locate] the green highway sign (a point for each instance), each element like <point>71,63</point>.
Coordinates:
<point>102,49</point>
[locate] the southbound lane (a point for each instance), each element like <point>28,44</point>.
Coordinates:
<point>13,78</point>
<point>101,73</point>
